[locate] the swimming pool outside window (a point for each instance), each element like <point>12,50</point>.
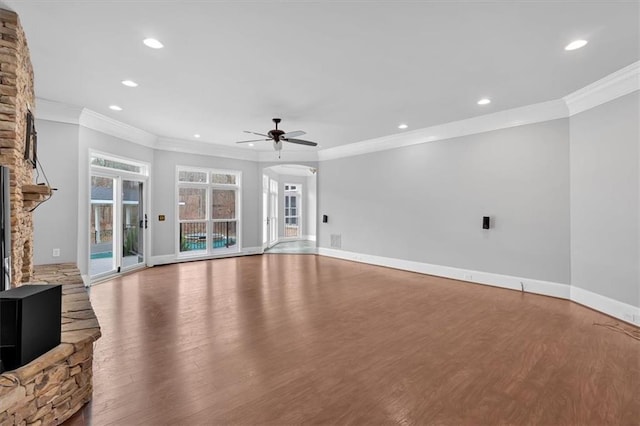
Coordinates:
<point>208,207</point>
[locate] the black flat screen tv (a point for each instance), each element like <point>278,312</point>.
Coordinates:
<point>5,230</point>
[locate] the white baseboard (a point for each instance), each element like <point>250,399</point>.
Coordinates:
<point>604,304</point>
<point>614,308</point>
<point>172,258</point>
<point>309,237</point>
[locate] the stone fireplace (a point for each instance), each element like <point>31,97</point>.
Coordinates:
<point>16,97</point>
<point>52,387</point>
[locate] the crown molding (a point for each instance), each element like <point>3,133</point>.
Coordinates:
<point>109,126</point>
<point>529,114</point>
<point>204,148</point>
<point>613,86</point>
<point>617,84</point>
<point>57,111</point>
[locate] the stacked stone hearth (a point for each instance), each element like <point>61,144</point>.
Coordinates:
<point>54,386</point>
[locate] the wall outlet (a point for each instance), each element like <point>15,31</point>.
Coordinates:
<point>56,252</point>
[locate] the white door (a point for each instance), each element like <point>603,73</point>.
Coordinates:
<point>265,211</point>
<point>273,212</point>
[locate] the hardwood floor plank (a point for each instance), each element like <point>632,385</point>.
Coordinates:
<point>293,339</point>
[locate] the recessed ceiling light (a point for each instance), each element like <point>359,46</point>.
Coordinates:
<point>129,83</point>
<point>402,126</point>
<point>196,135</point>
<point>484,101</point>
<point>153,43</point>
<point>576,44</point>
<point>250,144</point>
<point>115,107</point>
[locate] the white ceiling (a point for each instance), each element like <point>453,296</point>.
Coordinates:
<point>343,71</point>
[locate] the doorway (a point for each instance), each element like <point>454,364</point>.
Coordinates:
<point>289,209</point>
<point>118,218</point>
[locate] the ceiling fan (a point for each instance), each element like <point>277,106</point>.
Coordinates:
<point>277,136</point>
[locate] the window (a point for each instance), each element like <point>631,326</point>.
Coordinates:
<point>208,210</point>
<point>292,211</point>
<point>98,161</point>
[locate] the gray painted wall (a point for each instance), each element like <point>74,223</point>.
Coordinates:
<point>425,203</point>
<point>604,199</point>
<point>55,221</point>
<point>164,167</point>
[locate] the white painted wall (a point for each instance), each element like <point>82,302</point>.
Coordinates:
<point>55,221</point>
<point>164,167</point>
<point>605,212</point>
<point>425,203</point>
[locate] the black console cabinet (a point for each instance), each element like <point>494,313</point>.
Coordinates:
<point>29,323</point>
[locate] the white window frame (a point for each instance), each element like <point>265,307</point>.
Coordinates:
<point>298,195</point>
<point>209,186</point>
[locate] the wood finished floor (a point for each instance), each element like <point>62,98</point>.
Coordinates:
<point>291,339</point>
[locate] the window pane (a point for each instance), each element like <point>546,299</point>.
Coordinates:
<point>224,234</point>
<point>186,176</point>
<point>286,201</point>
<point>192,203</point>
<point>223,178</point>
<point>193,236</point>
<point>223,204</point>
<point>293,201</point>
<point>113,164</point>
<point>294,212</point>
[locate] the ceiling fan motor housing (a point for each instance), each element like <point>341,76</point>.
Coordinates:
<point>275,134</point>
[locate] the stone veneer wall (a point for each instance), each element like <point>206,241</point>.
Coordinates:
<point>16,95</point>
<point>54,386</point>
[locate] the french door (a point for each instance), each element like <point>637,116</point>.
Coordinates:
<point>117,225</point>
<point>273,212</point>
<point>269,211</point>
<point>265,211</point>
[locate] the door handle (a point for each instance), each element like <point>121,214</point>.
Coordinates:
<point>146,222</point>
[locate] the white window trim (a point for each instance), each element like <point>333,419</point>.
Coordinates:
<point>208,251</point>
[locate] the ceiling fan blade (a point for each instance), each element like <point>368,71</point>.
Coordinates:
<point>254,140</point>
<point>300,142</point>
<point>293,134</point>
<point>258,134</point>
